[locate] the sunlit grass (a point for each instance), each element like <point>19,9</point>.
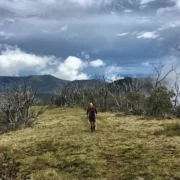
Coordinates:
<point>62,147</point>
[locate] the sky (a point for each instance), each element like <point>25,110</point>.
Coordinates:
<point>79,39</point>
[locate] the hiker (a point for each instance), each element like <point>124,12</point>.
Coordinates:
<point>91,115</point>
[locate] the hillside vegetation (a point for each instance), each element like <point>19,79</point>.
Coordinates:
<point>61,147</point>
<point>42,83</point>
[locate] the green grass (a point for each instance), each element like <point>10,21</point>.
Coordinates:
<point>61,147</point>
<point>170,130</point>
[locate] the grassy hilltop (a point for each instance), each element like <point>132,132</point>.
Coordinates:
<point>61,147</point>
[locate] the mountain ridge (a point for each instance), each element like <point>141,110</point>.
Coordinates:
<point>49,84</point>
<point>43,83</point>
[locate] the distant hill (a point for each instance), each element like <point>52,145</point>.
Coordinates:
<point>43,83</point>
<point>48,84</point>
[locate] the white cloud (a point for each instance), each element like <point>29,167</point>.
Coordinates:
<point>85,55</point>
<point>146,64</point>
<point>144,19</point>
<point>13,61</point>
<point>128,11</point>
<point>97,63</point>
<point>5,34</point>
<point>166,26</point>
<point>45,31</point>
<point>11,20</point>
<point>64,28</point>
<point>70,69</point>
<point>113,72</point>
<point>146,1</point>
<point>122,34</point>
<point>147,35</point>
<point>113,77</point>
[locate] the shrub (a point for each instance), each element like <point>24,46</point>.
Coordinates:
<point>159,102</point>
<point>138,111</point>
<point>177,111</point>
<point>170,130</point>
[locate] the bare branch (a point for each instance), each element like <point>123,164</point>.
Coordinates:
<point>176,46</point>
<point>160,79</point>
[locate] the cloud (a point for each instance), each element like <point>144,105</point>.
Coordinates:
<point>40,8</point>
<point>128,11</point>
<point>166,10</point>
<point>147,35</point>
<point>68,27</point>
<point>113,72</point>
<point>70,69</point>
<point>10,20</point>
<point>13,60</point>
<point>85,55</point>
<point>167,63</point>
<point>146,64</point>
<point>123,34</point>
<point>173,24</point>
<point>45,31</point>
<point>146,1</point>
<point>64,28</point>
<point>5,34</point>
<point>97,63</point>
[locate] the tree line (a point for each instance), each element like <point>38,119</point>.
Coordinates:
<point>143,96</point>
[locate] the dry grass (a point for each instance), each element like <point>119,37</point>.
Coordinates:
<point>61,147</point>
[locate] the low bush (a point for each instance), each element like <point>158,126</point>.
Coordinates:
<point>8,168</point>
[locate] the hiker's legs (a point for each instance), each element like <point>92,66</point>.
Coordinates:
<point>91,126</point>
<point>94,126</point>
<point>92,122</point>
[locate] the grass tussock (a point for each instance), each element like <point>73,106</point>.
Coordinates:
<point>170,130</point>
<point>61,147</point>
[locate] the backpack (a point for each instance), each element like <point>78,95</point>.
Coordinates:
<point>92,111</point>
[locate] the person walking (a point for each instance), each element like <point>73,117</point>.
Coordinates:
<point>91,115</point>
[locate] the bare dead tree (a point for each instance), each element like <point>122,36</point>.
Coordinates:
<point>103,90</point>
<point>176,88</point>
<point>159,79</point>
<point>176,46</point>
<point>16,104</point>
<point>123,93</point>
<point>160,101</point>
